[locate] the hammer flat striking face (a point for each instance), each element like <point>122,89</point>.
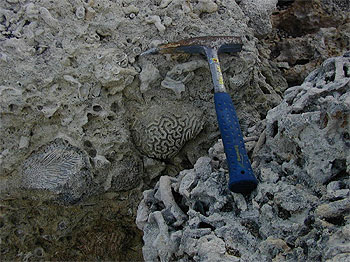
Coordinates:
<point>242,179</point>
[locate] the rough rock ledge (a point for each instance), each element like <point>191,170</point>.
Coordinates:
<point>300,210</point>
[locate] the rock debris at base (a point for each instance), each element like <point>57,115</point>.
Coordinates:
<point>300,210</point>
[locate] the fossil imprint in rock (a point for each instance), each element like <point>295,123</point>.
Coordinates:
<point>58,167</point>
<point>161,132</point>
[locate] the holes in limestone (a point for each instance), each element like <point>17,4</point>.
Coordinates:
<point>338,170</point>
<point>265,90</point>
<point>274,128</point>
<point>309,221</point>
<point>284,4</point>
<point>233,252</point>
<point>338,220</point>
<point>346,136</point>
<point>89,148</point>
<point>275,52</point>
<point>330,78</point>
<point>39,252</point>
<point>179,200</point>
<point>87,143</point>
<point>302,61</point>
<point>283,213</point>
<point>323,120</point>
<point>206,225</point>
<point>201,207</point>
<point>115,107</point>
<point>92,152</point>
<point>228,207</point>
<point>100,37</point>
<point>111,118</point>
<point>221,10</point>
<point>252,227</point>
<point>13,107</point>
<point>97,108</point>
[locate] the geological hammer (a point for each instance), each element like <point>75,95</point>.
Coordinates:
<point>241,176</point>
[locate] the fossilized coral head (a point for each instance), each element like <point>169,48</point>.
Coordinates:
<point>58,167</point>
<point>161,131</point>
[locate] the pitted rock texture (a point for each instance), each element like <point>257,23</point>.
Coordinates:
<point>259,12</point>
<point>309,131</point>
<point>72,69</point>
<point>300,210</point>
<point>305,33</point>
<point>162,134</point>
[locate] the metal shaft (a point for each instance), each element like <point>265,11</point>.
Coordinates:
<point>215,69</point>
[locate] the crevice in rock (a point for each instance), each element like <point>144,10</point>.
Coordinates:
<point>338,170</point>
<point>206,225</point>
<point>233,252</point>
<point>228,207</point>
<point>252,227</point>
<point>284,4</point>
<point>283,213</point>
<point>201,207</point>
<point>302,61</point>
<point>265,90</point>
<point>330,78</point>
<point>274,129</point>
<point>179,200</point>
<point>323,120</point>
<point>338,220</point>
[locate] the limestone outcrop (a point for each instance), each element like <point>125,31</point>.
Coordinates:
<point>300,209</point>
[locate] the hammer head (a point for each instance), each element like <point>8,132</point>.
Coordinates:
<point>198,45</point>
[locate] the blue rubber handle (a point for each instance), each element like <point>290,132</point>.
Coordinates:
<point>242,179</point>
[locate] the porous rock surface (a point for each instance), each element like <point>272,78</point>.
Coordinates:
<point>305,33</point>
<point>71,70</point>
<point>300,209</point>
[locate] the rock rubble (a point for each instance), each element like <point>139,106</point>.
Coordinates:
<point>300,209</point>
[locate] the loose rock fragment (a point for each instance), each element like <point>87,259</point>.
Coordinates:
<point>149,75</point>
<point>300,198</point>
<point>154,19</point>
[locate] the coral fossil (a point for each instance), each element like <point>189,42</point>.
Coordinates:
<point>161,134</point>
<point>53,165</point>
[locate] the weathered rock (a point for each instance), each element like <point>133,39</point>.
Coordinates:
<point>72,69</point>
<point>300,209</point>
<point>306,33</point>
<point>310,128</point>
<point>259,13</point>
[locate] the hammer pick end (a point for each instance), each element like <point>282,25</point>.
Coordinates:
<point>151,51</point>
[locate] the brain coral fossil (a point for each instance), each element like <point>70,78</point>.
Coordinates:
<point>161,131</point>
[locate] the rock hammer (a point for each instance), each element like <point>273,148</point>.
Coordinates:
<point>241,176</point>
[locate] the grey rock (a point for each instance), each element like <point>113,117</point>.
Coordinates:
<point>259,12</point>
<point>316,111</point>
<point>73,69</point>
<point>300,209</point>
